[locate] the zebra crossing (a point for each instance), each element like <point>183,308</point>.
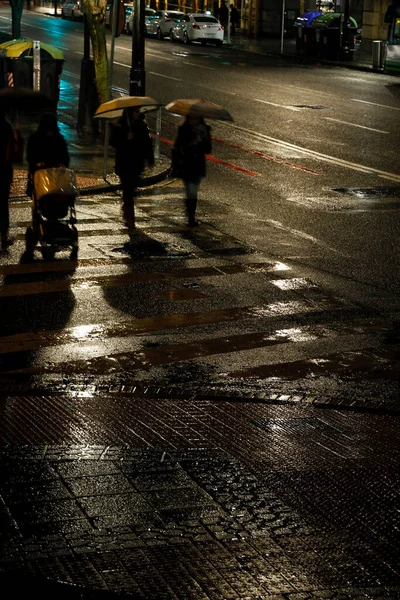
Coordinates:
<point>172,305</point>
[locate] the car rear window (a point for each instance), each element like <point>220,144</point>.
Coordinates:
<point>205,20</point>
<point>173,15</point>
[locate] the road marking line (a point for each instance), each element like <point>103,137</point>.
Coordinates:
<point>375,104</point>
<point>355,125</point>
<point>200,66</point>
<point>166,76</point>
<point>318,155</point>
<point>294,108</point>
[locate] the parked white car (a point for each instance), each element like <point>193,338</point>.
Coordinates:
<point>202,28</point>
<point>148,12</point>
<point>161,23</point>
<point>72,10</point>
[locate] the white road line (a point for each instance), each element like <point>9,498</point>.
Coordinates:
<point>147,53</point>
<point>277,105</point>
<point>73,75</point>
<point>319,155</point>
<point>355,125</point>
<point>166,76</point>
<point>200,66</point>
<point>375,104</point>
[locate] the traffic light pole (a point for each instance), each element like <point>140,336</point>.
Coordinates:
<point>137,80</point>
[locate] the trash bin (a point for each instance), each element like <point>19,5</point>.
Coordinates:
<point>332,40</point>
<point>310,41</point>
<point>299,24</point>
<point>16,67</point>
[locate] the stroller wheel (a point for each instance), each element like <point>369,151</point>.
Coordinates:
<point>30,240</point>
<point>48,252</point>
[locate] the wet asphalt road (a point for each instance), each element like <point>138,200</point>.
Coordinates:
<point>196,414</point>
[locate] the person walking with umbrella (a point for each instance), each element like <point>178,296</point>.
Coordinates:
<point>6,177</point>
<point>133,148</point>
<point>192,143</point>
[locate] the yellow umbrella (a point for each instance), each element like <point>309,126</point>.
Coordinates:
<point>199,108</point>
<point>114,108</point>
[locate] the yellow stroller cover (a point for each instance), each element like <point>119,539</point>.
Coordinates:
<point>57,181</point>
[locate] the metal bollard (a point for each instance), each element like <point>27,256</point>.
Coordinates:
<point>377,54</point>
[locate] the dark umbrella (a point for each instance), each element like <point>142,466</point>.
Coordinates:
<point>25,100</point>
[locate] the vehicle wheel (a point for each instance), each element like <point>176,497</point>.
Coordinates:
<point>218,43</point>
<point>171,36</point>
<point>62,14</point>
<point>186,39</point>
<point>73,16</point>
<point>159,34</point>
<point>203,43</point>
<point>74,253</point>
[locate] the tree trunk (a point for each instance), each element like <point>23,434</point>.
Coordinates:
<point>96,20</point>
<point>17,7</point>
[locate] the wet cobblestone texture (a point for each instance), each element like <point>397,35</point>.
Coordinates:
<point>117,495</point>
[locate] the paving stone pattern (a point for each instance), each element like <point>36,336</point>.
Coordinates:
<point>204,500</point>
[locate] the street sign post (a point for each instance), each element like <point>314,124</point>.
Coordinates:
<point>36,66</point>
<point>137,81</point>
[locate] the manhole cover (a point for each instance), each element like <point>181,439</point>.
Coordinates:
<point>312,106</point>
<point>369,192</point>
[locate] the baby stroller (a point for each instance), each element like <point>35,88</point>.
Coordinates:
<point>53,212</point>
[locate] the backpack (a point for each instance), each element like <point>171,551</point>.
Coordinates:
<point>15,147</point>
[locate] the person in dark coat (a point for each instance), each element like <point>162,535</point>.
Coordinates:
<point>134,147</point>
<point>192,143</point>
<point>235,19</point>
<point>6,177</point>
<point>224,16</point>
<point>46,148</point>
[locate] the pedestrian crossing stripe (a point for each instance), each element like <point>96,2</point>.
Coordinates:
<point>79,279</point>
<point>133,327</point>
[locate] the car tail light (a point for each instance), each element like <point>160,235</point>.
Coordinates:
<point>196,26</point>
<point>220,28</point>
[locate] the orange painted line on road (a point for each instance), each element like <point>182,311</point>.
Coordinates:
<point>266,156</point>
<point>219,161</point>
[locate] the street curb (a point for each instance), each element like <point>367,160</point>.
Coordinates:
<point>114,187</point>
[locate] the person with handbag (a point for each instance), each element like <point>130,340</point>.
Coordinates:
<point>133,148</point>
<point>6,177</point>
<point>192,143</point>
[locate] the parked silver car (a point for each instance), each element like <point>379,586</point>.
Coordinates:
<point>161,23</point>
<point>148,12</point>
<point>72,10</point>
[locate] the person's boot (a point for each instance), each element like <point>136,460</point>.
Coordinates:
<point>191,204</point>
<point>128,212</point>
